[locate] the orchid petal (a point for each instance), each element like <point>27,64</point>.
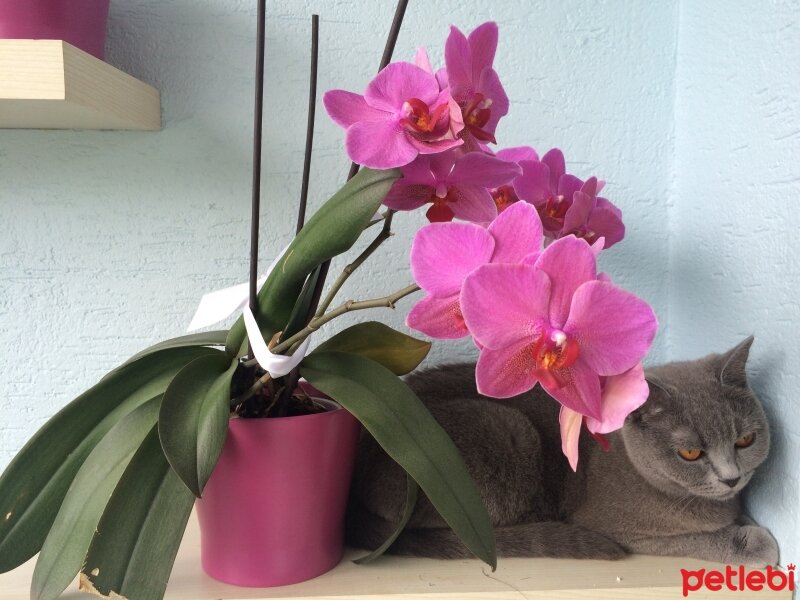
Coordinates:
<point>570,423</point>
<point>517,233</point>
<point>615,328</point>
<point>483,45</point>
<point>378,145</point>
<point>533,185</point>
<point>422,61</point>
<point>434,147</point>
<point>399,82</point>
<point>578,214</point>
<point>458,62</point>
<point>441,166</point>
<point>489,85</point>
<point>347,108</point>
<point>442,255</point>
<point>622,394</point>
<point>438,318</point>
<point>507,371</point>
<point>605,220</point>
<point>568,185</point>
<point>481,169</point>
<point>420,172</point>
<point>407,196</point>
<point>517,154</point>
<point>554,159</point>
<point>472,203</point>
<point>504,303</point>
<point>570,263</point>
<point>577,388</point>
<point>597,248</point>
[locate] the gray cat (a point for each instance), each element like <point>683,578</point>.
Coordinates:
<point>668,485</point>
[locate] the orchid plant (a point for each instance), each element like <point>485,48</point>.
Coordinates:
<point>520,276</point>
<point>509,258</point>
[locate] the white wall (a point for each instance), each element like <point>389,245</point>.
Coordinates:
<point>108,239</point>
<point>735,219</point>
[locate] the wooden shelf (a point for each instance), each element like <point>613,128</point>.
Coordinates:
<point>49,84</point>
<point>396,578</point>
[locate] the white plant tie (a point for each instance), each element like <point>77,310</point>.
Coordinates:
<point>218,305</point>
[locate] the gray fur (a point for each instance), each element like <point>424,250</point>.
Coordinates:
<point>638,497</point>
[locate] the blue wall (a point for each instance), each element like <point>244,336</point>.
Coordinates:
<point>735,219</point>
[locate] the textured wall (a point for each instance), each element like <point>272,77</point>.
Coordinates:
<point>108,239</point>
<point>735,218</point>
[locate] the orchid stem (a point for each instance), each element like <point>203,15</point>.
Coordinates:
<point>349,306</point>
<point>384,235</point>
<point>317,322</point>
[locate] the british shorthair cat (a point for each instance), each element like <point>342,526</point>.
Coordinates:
<point>668,485</point>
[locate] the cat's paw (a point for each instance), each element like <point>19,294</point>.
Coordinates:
<point>754,546</point>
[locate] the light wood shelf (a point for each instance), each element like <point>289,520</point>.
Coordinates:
<point>49,84</point>
<point>396,578</point>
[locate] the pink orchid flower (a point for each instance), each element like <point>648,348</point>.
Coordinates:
<point>567,205</point>
<point>402,114</point>
<point>474,84</point>
<point>505,195</point>
<point>443,254</point>
<point>591,217</point>
<point>620,396</point>
<point>546,184</point>
<point>554,323</point>
<point>455,184</point>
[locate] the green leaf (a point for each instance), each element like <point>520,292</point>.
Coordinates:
<point>412,491</point>
<point>398,352</point>
<point>34,484</point>
<point>68,541</point>
<point>193,421</point>
<point>408,433</point>
<point>138,537</point>
<point>204,338</point>
<point>299,316</point>
<point>333,229</point>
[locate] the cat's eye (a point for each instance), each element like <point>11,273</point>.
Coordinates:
<point>746,440</point>
<point>690,454</point>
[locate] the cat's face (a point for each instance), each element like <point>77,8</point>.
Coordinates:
<point>702,432</point>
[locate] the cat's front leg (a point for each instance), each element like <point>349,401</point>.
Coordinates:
<point>735,544</point>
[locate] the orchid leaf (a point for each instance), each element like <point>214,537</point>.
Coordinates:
<point>409,434</point>
<point>193,421</point>
<point>35,483</point>
<point>332,230</point>
<point>68,541</point>
<point>412,491</point>
<point>134,549</point>
<point>204,338</point>
<point>398,352</point>
<point>299,317</point>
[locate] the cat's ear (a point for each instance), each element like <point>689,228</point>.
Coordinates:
<point>730,367</point>
<point>654,406</point>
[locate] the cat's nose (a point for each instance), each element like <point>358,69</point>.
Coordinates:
<point>731,482</point>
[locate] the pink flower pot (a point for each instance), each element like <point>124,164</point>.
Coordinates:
<point>273,510</point>
<point>82,23</point>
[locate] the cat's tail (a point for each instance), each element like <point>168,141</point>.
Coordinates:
<point>546,538</point>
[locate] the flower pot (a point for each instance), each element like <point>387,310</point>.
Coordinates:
<point>273,511</point>
<point>82,23</point>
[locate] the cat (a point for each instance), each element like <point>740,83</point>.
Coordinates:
<point>640,496</point>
